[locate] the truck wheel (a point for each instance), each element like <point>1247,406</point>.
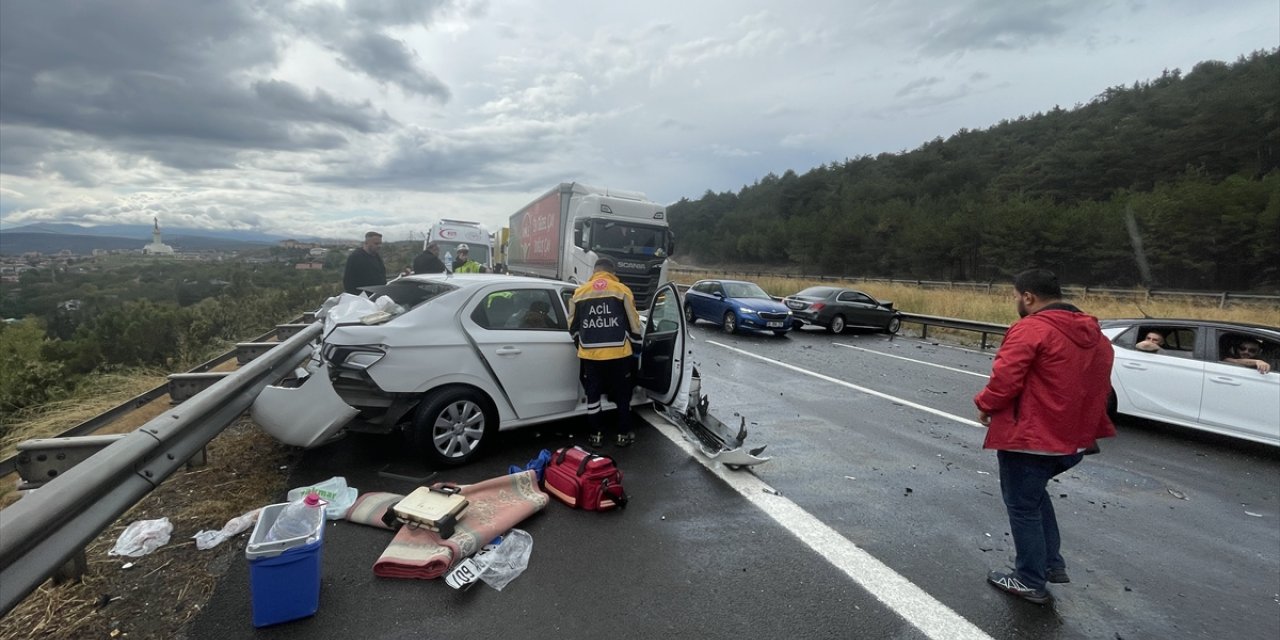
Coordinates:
<point>837,324</point>
<point>895,323</point>
<point>452,426</point>
<point>689,318</point>
<point>730,323</point>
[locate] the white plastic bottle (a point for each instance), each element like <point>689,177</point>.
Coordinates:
<point>300,518</point>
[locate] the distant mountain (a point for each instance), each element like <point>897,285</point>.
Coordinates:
<point>20,242</point>
<point>143,232</point>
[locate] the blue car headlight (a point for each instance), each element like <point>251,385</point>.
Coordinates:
<point>746,310</point>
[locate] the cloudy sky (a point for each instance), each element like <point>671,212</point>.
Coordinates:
<point>325,117</point>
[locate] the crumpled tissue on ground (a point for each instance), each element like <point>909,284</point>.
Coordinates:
<point>209,539</point>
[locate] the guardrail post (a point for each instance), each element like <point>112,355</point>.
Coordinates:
<point>1222,302</point>
<point>198,459</point>
<point>73,569</point>
<point>924,331</point>
<point>984,340</point>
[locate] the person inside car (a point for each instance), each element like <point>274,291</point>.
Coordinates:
<point>1152,343</point>
<point>1245,353</point>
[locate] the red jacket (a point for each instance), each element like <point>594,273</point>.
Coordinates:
<point>1049,384</point>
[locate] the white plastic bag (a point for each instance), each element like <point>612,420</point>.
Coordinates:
<point>507,561</point>
<point>142,537</point>
<point>209,539</point>
<point>335,491</point>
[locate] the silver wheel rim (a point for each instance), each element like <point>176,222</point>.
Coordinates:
<point>730,323</point>
<point>458,429</point>
<point>837,324</point>
<point>894,325</point>
<point>688,315</point>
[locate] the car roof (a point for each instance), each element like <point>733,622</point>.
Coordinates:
<point>473,280</point>
<point>1189,322</point>
<point>723,281</point>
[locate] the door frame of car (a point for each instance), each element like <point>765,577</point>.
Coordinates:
<point>664,351</point>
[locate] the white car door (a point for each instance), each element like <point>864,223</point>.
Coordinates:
<point>523,336</point>
<point>1166,384</point>
<point>664,352</point>
<point>1241,400</point>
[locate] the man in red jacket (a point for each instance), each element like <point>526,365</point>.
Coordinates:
<point>1045,406</point>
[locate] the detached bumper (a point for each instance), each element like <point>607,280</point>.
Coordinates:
<point>305,416</point>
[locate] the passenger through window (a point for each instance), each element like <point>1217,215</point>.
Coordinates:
<point>520,309</point>
<point>1246,350</point>
<point>1168,341</point>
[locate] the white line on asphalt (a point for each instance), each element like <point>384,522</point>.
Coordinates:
<point>928,364</point>
<point>903,597</point>
<point>872,392</point>
<point>949,346</point>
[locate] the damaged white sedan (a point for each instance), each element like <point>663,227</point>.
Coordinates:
<point>452,360</point>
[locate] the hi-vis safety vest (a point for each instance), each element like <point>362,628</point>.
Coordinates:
<point>603,319</point>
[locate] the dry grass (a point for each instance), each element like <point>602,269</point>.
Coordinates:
<point>160,594</point>
<point>97,394</point>
<point>998,306</point>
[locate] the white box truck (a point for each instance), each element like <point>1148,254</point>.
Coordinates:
<point>448,234</point>
<point>561,234</point>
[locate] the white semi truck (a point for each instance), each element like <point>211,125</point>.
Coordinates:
<point>448,234</point>
<point>561,234</point>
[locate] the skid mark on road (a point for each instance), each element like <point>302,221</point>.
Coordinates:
<point>927,364</point>
<point>900,595</point>
<point>872,392</point>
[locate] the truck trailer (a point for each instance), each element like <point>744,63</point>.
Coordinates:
<point>561,234</point>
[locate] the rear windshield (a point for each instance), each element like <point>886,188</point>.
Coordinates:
<point>409,294</point>
<point>817,292</point>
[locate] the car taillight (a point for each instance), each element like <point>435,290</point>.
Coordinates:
<point>817,306</point>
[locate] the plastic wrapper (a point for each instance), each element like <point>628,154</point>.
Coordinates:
<point>507,561</point>
<point>335,491</point>
<point>235,526</point>
<point>142,537</point>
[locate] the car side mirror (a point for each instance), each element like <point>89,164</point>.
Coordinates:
<point>718,295</point>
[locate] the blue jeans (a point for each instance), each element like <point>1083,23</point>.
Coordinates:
<point>1023,479</point>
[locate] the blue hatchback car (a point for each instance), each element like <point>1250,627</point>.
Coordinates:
<point>734,305</point>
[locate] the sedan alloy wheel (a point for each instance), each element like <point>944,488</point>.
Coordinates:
<point>837,324</point>
<point>730,322</point>
<point>452,426</point>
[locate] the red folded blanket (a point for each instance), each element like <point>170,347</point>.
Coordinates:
<point>496,505</point>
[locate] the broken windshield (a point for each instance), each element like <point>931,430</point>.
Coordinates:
<point>409,293</point>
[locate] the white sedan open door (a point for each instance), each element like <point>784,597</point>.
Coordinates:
<point>662,360</point>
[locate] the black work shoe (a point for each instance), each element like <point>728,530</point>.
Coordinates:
<point>1010,584</point>
<point>596,439</point>
<point>626,439</point>
<point>1058,576</point>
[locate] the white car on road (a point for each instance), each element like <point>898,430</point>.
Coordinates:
<point>460,358</point>
<point>1187,382</point>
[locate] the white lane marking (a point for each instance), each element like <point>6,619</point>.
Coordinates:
<point>950,346</point>
<point>903,597</point>
<point>928,364</point>
<point>872,392</point>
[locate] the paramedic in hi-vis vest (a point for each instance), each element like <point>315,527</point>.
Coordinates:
<point>605,326</point>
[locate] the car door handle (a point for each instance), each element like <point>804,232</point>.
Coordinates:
<point>1134,365</point>
<point>508,351</point>
<point>1224,380</point>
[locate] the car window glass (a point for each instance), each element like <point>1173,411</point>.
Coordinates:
<point>408,293</point>
<point>519,309</point>
<point>816,292</point>
<point>744,290</point>
<point>854,296</point>
<point>702,287</point>
<point>1242,346</point>
<point>664,315</point>
<point>716,288</point>
<point>1178,341</point>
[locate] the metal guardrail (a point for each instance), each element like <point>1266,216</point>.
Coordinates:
<point>45,528</point>
<point>985,328</point>
<point>1223,297</point>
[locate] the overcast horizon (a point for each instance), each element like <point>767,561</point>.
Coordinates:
<point>327,119</point>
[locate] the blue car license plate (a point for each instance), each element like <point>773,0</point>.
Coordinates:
<point>774,324</point>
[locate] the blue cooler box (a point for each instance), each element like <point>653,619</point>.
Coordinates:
<point>284,575</point>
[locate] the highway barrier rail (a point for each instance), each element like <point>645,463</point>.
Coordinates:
<point>51,525</point>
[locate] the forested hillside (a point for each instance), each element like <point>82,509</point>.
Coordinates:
<point>1195,158</point>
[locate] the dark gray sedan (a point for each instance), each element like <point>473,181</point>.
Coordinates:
<point>836,309</point>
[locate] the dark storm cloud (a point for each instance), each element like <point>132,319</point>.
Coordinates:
<point>995,24</point>
<point>388,60</point>
<point>173,81</point>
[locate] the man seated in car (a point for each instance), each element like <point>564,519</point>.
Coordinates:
<point>1152,343</point>
<point>1245,353</point>
<point>537,317</point>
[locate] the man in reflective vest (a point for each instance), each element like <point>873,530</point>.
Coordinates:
<point>462,262</point>
<point>605,326</point>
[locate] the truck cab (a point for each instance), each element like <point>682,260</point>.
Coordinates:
<point>633,234</point>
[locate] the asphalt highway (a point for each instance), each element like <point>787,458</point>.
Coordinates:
<point>877,517</point>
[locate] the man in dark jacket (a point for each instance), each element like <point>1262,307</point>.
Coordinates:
<point>605,326</point>
<point>1044,407</point>
<point>364,265</point>
<point>429,260</point>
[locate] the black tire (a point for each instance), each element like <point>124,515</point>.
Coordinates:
<point>1113,406</point>
<point>895,323</point>
<point>780,334</point>
<point>730,322</point>
<point>452,426</point>
<point>837,324</point>
<point>689,318</point>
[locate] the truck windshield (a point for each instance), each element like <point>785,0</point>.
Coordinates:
<point>476,251</point>
<point>620,237</point>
